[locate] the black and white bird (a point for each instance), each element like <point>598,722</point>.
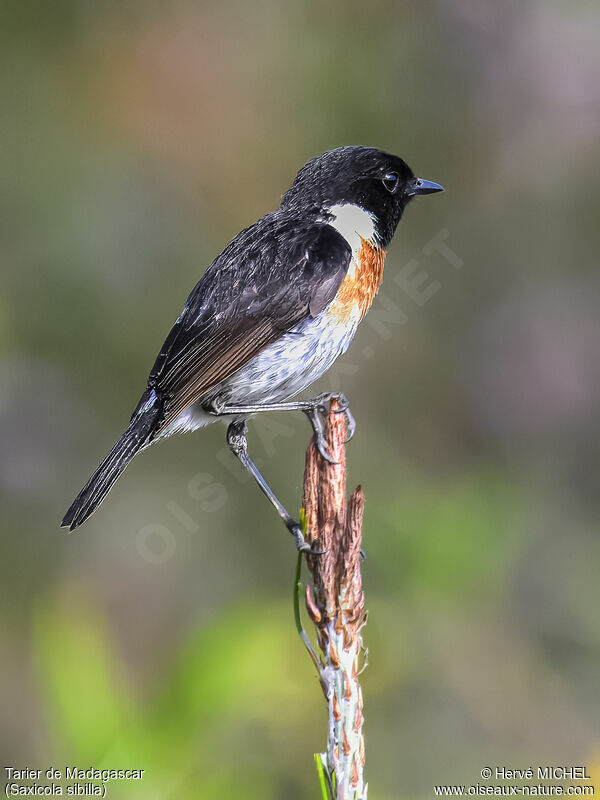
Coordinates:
<point>271,313</point>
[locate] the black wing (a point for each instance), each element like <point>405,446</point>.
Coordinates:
<point>269,278</point>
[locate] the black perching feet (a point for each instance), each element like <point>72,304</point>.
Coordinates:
<point>316,411</point>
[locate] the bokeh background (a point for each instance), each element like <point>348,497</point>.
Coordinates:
<point>136,138</point>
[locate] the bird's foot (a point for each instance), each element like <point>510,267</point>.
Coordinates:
<point>316,412</point>
<point>301,544</point>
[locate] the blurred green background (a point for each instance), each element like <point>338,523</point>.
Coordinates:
<point>136,139</point>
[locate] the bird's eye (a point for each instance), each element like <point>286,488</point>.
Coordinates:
<point>391,180</point>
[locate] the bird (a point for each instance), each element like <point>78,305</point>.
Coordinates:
<point>271,314</point>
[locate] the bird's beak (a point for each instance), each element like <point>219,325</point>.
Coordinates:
<point>420,186</point>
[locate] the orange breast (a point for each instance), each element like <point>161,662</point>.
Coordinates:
<point>360,286</point>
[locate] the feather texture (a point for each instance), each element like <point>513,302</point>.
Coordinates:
<point>266,281</point>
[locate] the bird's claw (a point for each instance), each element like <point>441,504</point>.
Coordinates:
<point>342,401</point>
<point>322,448</point>
<point>344,408</point>
<point>315,416</point>
<point>301,544</point>
<point>295,529</point>
<point>317,411</point>
<point>350,424</point>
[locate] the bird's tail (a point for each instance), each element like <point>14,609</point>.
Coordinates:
<point>138,433</point>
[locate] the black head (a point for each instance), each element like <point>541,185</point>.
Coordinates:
<point>378,182</point>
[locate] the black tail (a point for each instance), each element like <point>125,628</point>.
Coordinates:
<point>135,437</point>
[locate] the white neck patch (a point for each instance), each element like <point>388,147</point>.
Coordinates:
<point>354,224</point>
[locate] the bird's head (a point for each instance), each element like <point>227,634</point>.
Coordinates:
<point>362,178</point>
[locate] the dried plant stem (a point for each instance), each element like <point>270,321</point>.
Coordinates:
<point>336,605</point>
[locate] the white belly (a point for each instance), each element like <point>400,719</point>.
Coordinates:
<point>280,371</point>
<point>291,364</point>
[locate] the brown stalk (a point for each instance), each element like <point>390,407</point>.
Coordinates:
<point>336,604</point>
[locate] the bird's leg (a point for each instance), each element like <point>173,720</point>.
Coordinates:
<point>314,410</point>
<point>236,439</point>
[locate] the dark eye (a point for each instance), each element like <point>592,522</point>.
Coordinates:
<point>391,180</point>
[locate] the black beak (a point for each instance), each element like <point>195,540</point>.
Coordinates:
<point>420,186</point>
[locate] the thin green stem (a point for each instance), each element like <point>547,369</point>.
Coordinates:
<point>324,783</point>
<point>298,619</point>
<point>297,590</point>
